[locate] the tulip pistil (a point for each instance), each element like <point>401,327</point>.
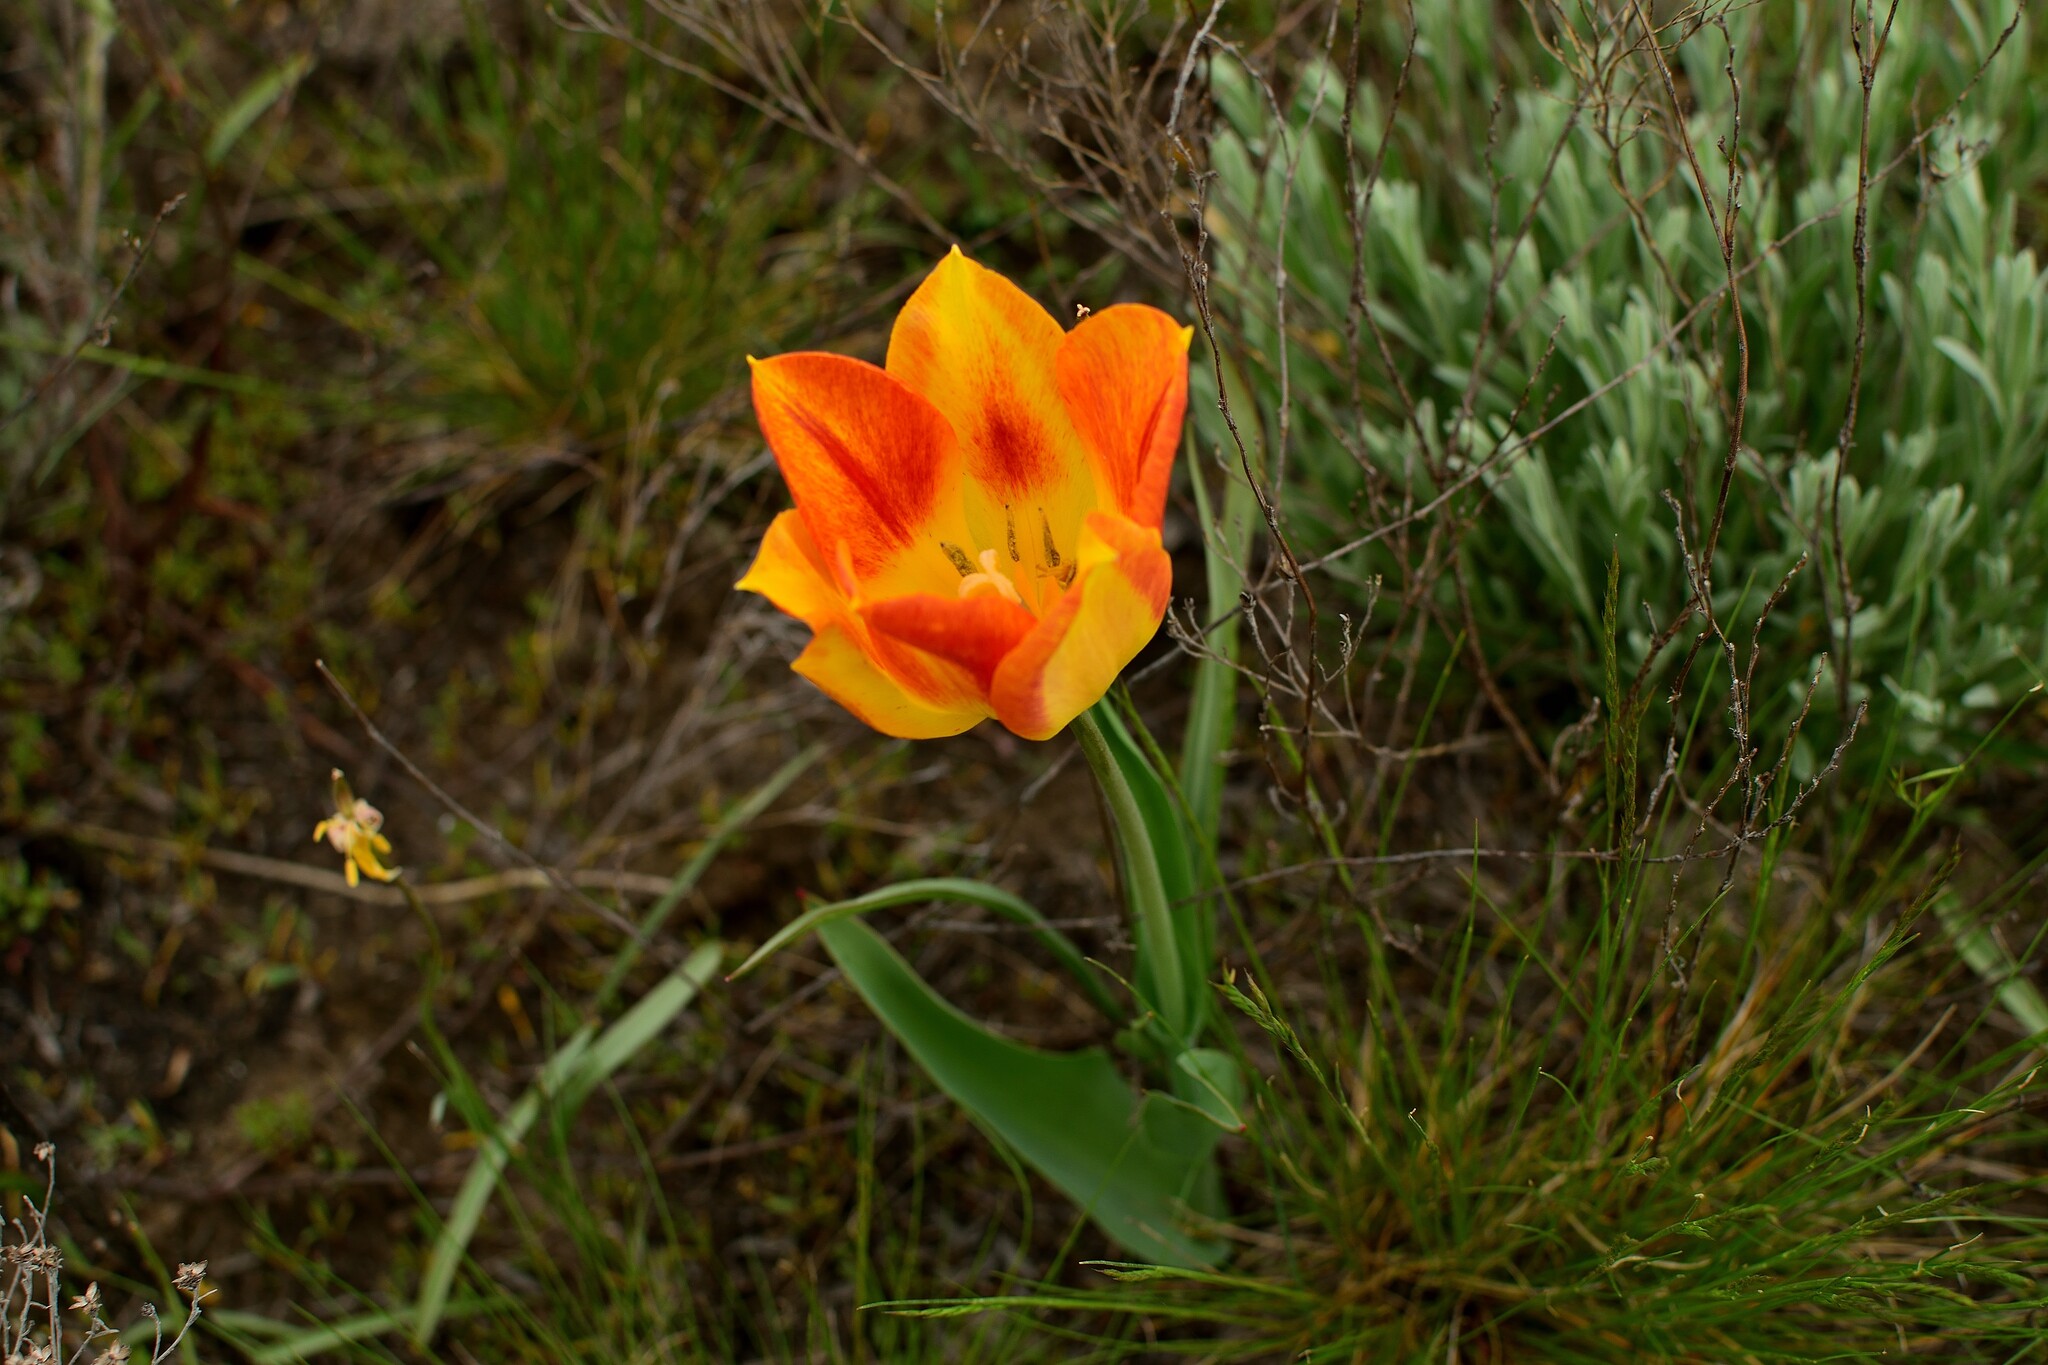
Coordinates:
<point>987,577</point>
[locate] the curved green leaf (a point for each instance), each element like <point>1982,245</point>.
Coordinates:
<point>1138,1164</point>
<point>960,889</point>
<point>1161,983</point>
<point>1184,929</point>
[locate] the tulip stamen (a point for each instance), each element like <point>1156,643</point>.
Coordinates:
<point>958,556</point>
<point>1050,564</point>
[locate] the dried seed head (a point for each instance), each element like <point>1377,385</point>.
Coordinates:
<point>36,1258</point>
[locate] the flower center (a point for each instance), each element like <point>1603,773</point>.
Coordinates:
<point>1031,585</point>
<point>988,576</point>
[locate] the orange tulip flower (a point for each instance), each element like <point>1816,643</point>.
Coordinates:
<point>976,530</point>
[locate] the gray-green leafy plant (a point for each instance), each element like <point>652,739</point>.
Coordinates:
<point>1546,328</point>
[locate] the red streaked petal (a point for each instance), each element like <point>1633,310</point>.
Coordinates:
<point>984,353</point>
<point>885,683</point>
<point>1123,373</point>
<point>843,671</point>
<point>973,632</point>
<point>873,467</point>
<point>1079,646</point>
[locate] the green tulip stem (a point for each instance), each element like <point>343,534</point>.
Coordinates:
<point>1142,883</point>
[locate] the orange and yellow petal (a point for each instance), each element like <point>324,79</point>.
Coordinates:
<point>875,470</point>
<point>843,671</point>
<point>984,353</point>
<point>790,571</point>
<point>1079,646</point>
<point>976,633</point>
<point>1123,374</point>
<point>884,682</point>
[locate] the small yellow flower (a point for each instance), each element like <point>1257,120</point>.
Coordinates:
<point>352,830</point>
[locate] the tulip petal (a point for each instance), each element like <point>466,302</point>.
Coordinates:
<point>789,571</point>
<point>975,632</point>
<point>885,683</point>
<point>842,670</point>
<point>984,353</point>
<point>1123,373</point>
<point>875,469</point>
<point>1079,646</point>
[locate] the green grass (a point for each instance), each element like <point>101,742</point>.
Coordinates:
<point>603,1268</point>
<point>1525,1139</point>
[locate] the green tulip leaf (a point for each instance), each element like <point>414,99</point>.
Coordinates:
<point>1142,1166</point>
<point>1176,986</point>
<point>967,892</point>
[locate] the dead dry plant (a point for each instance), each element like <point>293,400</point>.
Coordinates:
<point>34,1312</point>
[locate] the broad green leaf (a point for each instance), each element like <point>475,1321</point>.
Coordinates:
<point>474,1197</point>
<point>1138,1164</point>
<point>578,1067</point>
<point>248,106</point>
<point>1531,498</point>
<point>961,889</point>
